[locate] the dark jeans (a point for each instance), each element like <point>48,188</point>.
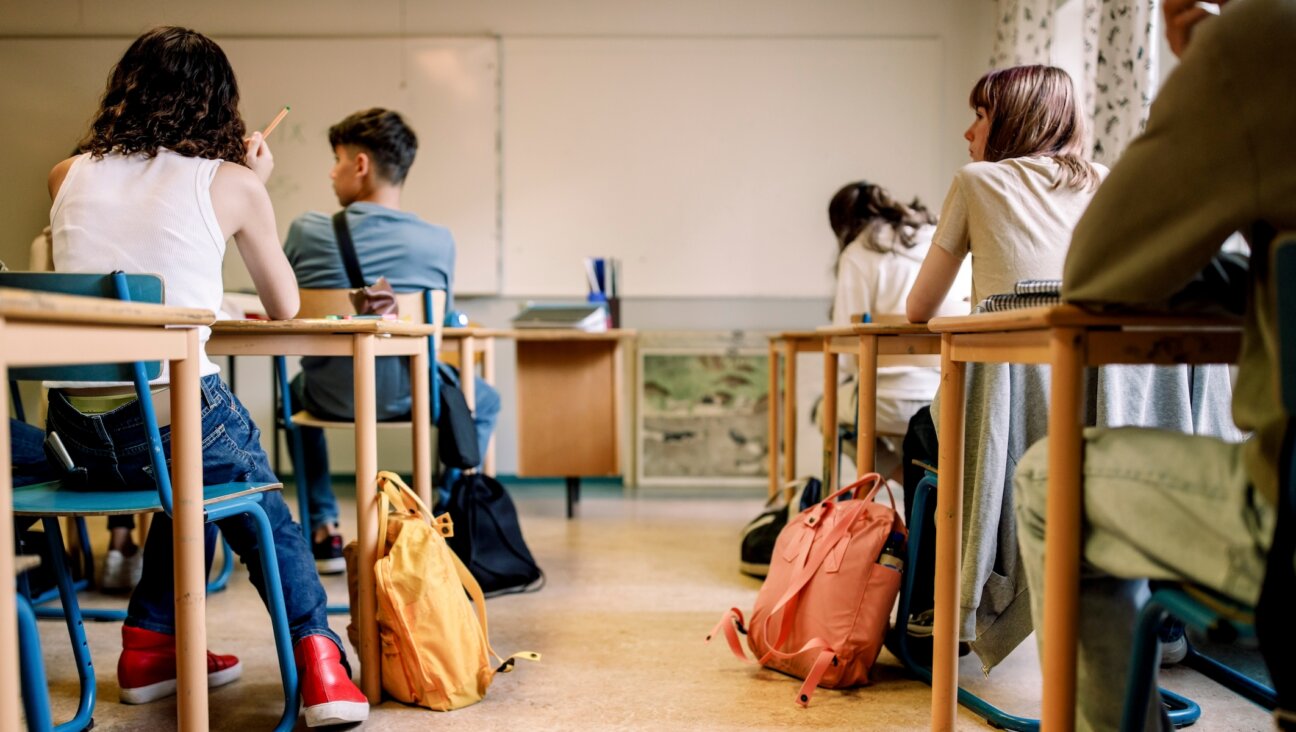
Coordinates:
<point>319,484</point>
<point>31,465</point>
<point>113,447</point>
<point>27,454</point>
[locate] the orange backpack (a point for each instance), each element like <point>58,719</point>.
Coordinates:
<point>436,649</point>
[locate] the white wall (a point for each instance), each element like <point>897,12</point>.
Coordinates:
<point>962,28</point>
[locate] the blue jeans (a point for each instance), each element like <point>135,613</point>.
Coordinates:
<point>113,447</point>
<point>27,451</point>
<point>319,485</point>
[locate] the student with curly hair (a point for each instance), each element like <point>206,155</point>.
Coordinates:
<point>165,179</point>
<point>881,243</point>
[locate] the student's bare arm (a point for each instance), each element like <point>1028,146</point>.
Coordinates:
<point>243,211</point>
<point>935,278</point>
<point>57,175</point>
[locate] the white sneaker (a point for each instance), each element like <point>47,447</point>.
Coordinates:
<point>121,573</point>
<point>921,625</point>
<point>1174,651</point>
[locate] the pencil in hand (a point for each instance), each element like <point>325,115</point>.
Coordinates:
<point>275,122</point>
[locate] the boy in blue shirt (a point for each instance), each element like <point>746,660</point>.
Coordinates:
<point>373,151</point>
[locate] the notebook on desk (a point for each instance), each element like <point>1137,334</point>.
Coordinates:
<point>588,317</point>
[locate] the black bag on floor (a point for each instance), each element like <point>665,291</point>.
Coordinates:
<point>488,537</point>
<point>759,535</point>
<point>456,434</point>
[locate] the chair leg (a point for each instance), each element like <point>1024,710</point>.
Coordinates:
<point>76,629</point>
<point>227,569</point>
<point>278,614</point>
<point>87,552</point>
<point>31,669</point>
<point>1254,691</point>
<point>1142,668</point>
<point>299,477</point>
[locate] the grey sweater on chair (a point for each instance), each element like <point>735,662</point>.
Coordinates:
<point>1007,412</point>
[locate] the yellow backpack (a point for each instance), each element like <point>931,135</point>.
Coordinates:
<point>436,649</point>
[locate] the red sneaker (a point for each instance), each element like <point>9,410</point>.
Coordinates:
<point>328,696</point>
<point>146,670</point>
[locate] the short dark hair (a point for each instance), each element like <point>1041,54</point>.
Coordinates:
<point>173,88</point>
<point>384,135</point>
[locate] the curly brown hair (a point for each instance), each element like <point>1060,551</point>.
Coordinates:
<point>173,88</point>
<point>864,206</point>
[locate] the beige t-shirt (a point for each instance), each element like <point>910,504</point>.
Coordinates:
<point>1014,222</point>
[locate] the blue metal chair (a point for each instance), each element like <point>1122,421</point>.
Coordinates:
<point>31,667</point>
<point>318,304</point>
<point>1183,711</point>
<point>50,502</point>
<point>87,561</point>
<point>1218,617</point>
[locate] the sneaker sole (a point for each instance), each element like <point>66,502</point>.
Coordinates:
<point>342,712</point>
<point>336,565</point>
<point>753,570</point>
<point>163,689</point>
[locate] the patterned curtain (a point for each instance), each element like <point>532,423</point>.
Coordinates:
<point>1024,34</point>
<point>1120,60</point>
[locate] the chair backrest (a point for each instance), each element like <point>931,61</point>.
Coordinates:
<point>139,288</point>
<point>119,286</point>
<point>420,306</point>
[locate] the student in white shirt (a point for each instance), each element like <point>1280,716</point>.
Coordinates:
<point>881,244</point>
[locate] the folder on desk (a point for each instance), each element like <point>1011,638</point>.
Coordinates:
<point>589,317</point>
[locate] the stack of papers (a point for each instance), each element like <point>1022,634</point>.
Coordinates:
<point>588,317</point>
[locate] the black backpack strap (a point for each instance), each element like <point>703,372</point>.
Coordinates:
<point>347,249</point>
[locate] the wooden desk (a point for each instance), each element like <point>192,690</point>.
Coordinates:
<point>786,345</point>
<point>570,404</point>
<point>362,341</point>
<point>1069,339</point>
<point>41,329</point>
<point>874,344</point>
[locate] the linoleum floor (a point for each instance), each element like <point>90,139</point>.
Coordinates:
<point>634,585</point>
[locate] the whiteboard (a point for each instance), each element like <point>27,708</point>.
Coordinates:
<point>752,136</point>
<point>446,88</point>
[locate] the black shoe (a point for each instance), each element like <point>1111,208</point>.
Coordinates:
<point>328,555</point>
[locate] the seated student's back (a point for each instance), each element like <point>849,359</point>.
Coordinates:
<point>410,252</point>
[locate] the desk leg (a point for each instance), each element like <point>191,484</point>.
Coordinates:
<point>949,540</point>
<point>468,371</point>
<point>10,703</point>
<point>772,441</point>
<point>187,535</point>
<point>488,375</point>
<point>866,417</point>
<point>789,411</point>
<point>421,416</point>
<point>366,451</point>
<point>828,416</point>
<point>1062,549</point>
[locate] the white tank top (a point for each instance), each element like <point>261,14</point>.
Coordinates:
<point>143,215</point>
